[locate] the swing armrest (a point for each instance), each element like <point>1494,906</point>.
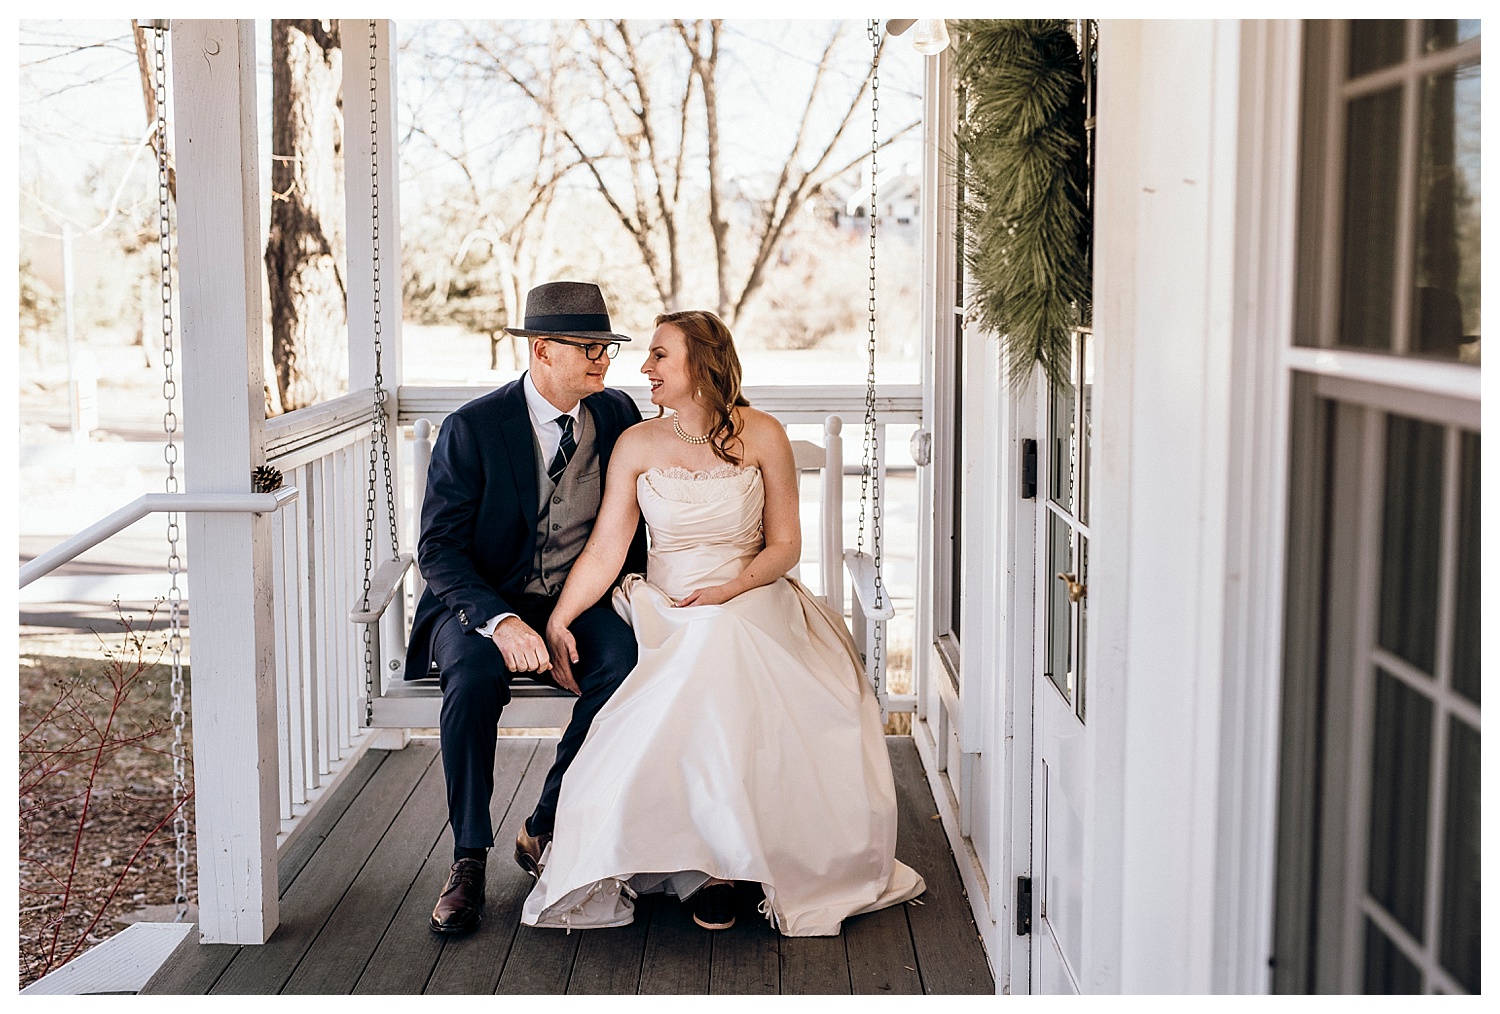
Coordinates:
<point>866,585</point>
<point>383,588</point>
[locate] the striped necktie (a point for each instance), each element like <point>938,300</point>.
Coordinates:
<point>565,449</point>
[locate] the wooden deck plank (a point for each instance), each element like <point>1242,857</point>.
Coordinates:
<point>369,884</point>
<point>815,966</point>
<point>311,898</point>
<point>473,963</point>
<point>193,968</point>
<point>337,958</point>
<point>950,953</point>
<point>291,861</point>
<point>881,957</point>
<point>404,959</point>
<point>609,961</point>
<point>678,954</point>
<point>540,962</point>
<point>746,958</point>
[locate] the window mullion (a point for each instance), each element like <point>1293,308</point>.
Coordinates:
<point>1331,250</point>
<point>1443,676</point>
<point>1406,195</point>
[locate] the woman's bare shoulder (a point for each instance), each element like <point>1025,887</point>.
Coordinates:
<point>763,435</point>
<point>638,440</point>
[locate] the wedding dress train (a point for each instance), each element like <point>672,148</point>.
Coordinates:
<point>745,745</point>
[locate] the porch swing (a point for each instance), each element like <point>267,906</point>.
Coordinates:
<point>395,703</point>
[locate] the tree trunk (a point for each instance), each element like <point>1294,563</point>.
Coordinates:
<point>305,252</point>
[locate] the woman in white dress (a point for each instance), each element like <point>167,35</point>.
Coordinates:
<point>746,744</point>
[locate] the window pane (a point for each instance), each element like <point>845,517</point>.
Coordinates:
<point>1445,310</point>
<point>1400,759</point>
<point>1442,34</point>
<point>1371,169</point>
<point>956,465</point>
<point>1064,448</point>
<point>1086,438</point>
<point>1374,44</point>
<point>1458,933</point>
<point>1059,609</point>
<point>1387,970</point>
<point>1409,544</point>
<point>1466,594</point>
<point>1083,624</point>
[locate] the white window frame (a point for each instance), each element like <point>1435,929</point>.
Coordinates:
<point>1367,385</point>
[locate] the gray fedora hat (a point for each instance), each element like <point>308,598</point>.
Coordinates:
<point>566,309</point>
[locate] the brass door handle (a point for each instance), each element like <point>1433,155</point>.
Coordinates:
<point>1076,592</point>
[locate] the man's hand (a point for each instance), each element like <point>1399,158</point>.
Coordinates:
<point>564,654</point>
<point>522,648</point>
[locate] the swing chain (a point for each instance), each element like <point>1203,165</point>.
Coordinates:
<point>169,423</point>
<point>870,490</point>
<point>379,442</point>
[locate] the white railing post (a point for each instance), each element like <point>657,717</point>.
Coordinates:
<point>233,634</point>
<point>831,552</point>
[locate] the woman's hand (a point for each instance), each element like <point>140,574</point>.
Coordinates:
<point>714,596</point>
<point>564,651</point>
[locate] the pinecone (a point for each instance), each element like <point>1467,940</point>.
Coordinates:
<point>265,479</point>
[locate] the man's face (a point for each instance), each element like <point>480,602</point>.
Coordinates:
<point>572,374</point>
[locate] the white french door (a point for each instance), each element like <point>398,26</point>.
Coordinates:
<point>1060,677</point>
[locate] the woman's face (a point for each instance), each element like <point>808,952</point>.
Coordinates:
<point>666,367</point>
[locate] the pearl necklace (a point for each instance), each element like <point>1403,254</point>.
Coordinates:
<point>681,433</point>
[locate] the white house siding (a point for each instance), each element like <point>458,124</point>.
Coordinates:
<point>1189,257</point>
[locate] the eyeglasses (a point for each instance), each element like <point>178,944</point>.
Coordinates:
<point>592,349</point>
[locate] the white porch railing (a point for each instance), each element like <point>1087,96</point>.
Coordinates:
<point>317,559</point>
<point>317,547</point>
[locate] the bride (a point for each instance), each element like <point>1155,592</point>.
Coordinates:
<point>746,744</point>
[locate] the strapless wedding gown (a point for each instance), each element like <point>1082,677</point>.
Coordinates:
<point>745,745</point>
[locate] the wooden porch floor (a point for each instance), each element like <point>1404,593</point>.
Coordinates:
<point>357,890</point>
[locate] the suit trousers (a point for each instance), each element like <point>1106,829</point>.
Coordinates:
<point>476,686</point>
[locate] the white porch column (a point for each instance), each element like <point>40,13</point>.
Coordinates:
<point>233,689</point>
<point>354,37</point>
<point>1195,250</point>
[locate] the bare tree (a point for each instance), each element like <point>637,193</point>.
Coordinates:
<point>478,244</point>
<point>305,251</point>
<point>651,77</point>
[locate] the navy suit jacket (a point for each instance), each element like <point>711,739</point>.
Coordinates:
<point>479,514</point>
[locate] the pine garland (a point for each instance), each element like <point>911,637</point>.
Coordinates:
<point>1024,162</point>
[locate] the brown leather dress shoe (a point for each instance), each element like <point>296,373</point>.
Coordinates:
<point>529,850</point>
<point>458,906</point>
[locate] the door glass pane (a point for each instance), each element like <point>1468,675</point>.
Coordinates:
<point>1371,170</point>
<point>1449,32</point>
<point>1409,543</point>
<point>956,466</point>
<point>1466,594</point>
<point>1445,306</point>
<point>1387,970</point>
<point>1458,931</point>
<point>1374,44</point>
<point>1086,425</point>
<point>1083,624</point>
<point>1400,760</point>
<point>1059,643</point>
<point>1064,460</point>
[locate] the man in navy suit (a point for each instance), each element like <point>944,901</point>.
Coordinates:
<point>512,492</point>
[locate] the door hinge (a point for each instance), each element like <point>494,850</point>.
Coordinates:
<point>1028,469</point>
<point>1023,906</point>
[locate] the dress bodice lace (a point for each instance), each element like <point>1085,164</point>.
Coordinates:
<point>684,485</point>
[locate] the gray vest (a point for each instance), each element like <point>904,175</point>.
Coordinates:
<point>566,512</point>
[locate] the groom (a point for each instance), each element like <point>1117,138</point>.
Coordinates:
<point>512,493</point>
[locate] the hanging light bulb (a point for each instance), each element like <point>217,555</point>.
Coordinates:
<point>931,36</point>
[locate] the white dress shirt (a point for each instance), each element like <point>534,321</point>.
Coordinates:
<point>548,437</point>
